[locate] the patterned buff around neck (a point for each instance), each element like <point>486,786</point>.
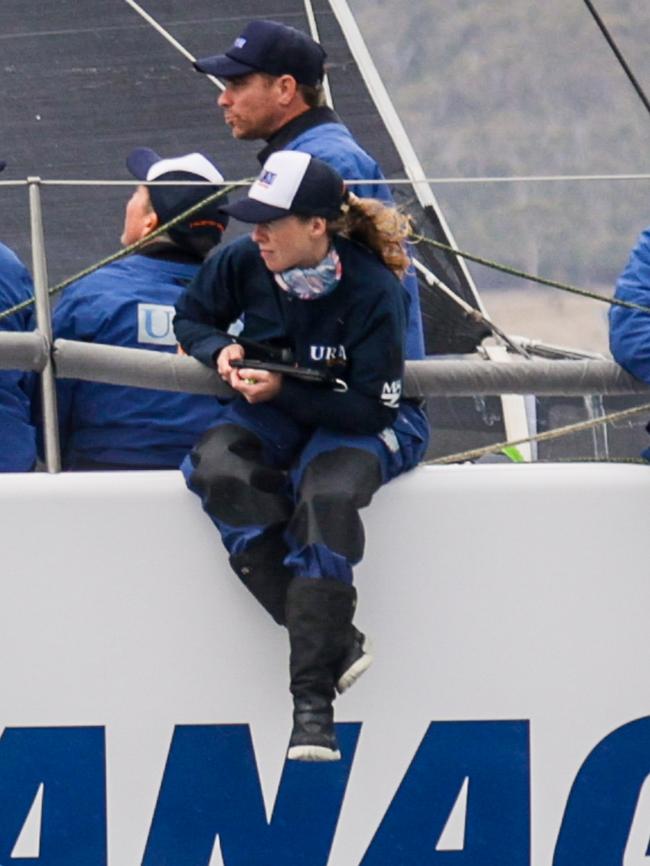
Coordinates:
<point>311,283</point>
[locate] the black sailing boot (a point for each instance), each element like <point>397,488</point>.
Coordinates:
<point>319,620</point>
<point>260,569</point>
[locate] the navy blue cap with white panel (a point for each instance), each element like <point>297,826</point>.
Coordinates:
<point>291,182</point>
<point>170,201</point>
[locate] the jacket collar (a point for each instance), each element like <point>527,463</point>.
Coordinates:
<point>307,120</point>
<point>170,253</point>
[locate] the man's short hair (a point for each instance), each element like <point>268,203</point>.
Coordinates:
<point>314,97</point>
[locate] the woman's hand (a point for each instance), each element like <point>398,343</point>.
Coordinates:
<point>229,353</point>
<point>256,386</point>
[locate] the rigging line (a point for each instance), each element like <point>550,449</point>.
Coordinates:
<point>231,183</point>
<point>531,178</point>
<point>580,426</point>
<point>471,313</point>
<point>478,314</point>
<point>412,166</point>
<point>513,272</point>
<point>120,254</point>
<point>619,56</point>
<point>167,35</point>
<point>393,125</point>
<point>313,29</point>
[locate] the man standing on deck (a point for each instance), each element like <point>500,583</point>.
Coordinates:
<point>274,92</point>
<point>17,434</point>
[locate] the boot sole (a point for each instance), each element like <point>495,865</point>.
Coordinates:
<point>353,673</point>
<point>313,753</point>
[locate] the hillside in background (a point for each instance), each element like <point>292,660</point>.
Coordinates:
<point>489,87</point>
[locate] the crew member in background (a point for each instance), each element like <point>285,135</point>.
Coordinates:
<point>17,433</point>
<point>629,329</point>
<point>131,303</point>
<point>290,463</point>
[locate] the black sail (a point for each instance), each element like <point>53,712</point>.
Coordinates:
<point>87,82</point>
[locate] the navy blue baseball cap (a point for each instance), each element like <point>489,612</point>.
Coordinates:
<point>291,182</point>
<point>3,165</point>
<point>170,201</point>
<point>267,46</point>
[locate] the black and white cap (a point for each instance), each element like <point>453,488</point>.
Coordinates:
<point>170,201</point>
<point>291,182</point>
<point>145,164</point>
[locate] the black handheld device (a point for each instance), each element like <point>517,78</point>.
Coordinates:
<point>305,374</point>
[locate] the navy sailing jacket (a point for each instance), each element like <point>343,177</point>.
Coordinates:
<point>320,133</point>
<point>127,303</point>
<point>17,434</point>
<point>356,332</point>
<point>629,330</point>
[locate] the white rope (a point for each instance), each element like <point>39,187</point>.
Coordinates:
<point>395,128</point>
<point>313,29</point>
<point>166,35</point>
<point>548,178</point>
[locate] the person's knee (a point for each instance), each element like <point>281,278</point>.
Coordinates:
<point>335,485</point>
<point>348,476</point>
<point>219,453</point>
<point>235,485</point>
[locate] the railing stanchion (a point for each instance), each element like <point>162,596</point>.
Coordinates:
<point>44,325</point>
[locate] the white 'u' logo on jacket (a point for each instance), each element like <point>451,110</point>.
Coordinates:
<point>155,324</point>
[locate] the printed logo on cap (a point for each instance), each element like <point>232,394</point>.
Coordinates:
<point>280,178</point>
<point>267,178</point>
<point>239,42</point>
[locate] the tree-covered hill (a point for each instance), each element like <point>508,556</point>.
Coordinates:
<point>489,87</point>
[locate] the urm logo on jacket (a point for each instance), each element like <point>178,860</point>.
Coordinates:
<point>391,393</point>
<point>327,353</point>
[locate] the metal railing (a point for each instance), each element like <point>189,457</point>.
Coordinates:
<point>470,376</point>
<point>70,359</point>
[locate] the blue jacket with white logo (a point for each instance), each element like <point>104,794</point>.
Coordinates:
<point>127,303</point>
<point>355,332</point>
<point>629,330</point>
<point>320,133</point>
<point>17,434</point>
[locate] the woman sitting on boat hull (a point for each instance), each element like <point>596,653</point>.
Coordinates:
<point>290,463</point>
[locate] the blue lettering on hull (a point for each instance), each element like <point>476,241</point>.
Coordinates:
<point>211,788</point>
<point>70,764</point>
<point>494,756</point>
